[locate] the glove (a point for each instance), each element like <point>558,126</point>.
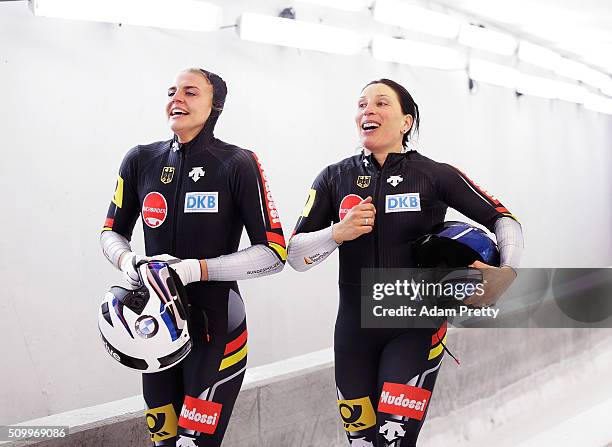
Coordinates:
<point>188,270</point>
<point>128,267</point>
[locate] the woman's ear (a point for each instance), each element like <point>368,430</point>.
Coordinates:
<point>409,120</point>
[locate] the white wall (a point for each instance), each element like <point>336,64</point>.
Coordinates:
<point>77,95</point>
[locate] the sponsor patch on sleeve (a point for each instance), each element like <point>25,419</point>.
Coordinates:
<point>118,196</point>
<point>108,224</point>
<point>270,205</point>
<point>312,194</point>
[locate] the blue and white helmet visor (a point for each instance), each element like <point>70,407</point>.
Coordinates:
<point>458,244</point>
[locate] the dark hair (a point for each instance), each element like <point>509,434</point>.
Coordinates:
<point>409,107</point>
<point>219,92</point>
<point>218,85</point>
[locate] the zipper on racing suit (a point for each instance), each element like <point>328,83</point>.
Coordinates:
<point>177,196</point>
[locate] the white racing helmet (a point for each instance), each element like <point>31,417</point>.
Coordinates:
<point>146,329</point>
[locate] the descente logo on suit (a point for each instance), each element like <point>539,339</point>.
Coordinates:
<point>202,202</point>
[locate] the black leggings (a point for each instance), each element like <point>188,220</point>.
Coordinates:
<point>384,378</point>
<point>191,403</point>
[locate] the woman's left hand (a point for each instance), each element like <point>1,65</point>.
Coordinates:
<point>188,270</point>
<point>496,282</point>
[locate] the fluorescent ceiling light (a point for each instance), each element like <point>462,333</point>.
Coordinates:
<point>597,54</point>
<point>505,76</point>
<point>495,74</point>
<point>537,86</point>
<point>539,56</point>
<point>551,89</point>
<point>599,104</point>
<point>485,39</point>
<point>298,34</point>
<point>607,89</point>
<point>571,92</point>
<point>190,15</point>
<point>345,5</point>
<point>551,60</point>
<point>417,53</point>
<point>584,73</point>
<point>399,13</point>
<point>571,69</point>
<point>596,78</point>
<point>564,32</point>
<point>498,11</point>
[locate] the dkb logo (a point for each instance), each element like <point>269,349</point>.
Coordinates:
<point>402,202</point>
<point>202,202</point>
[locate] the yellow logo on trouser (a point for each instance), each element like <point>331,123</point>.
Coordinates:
<point>357,414</point>
<point>162,422</point>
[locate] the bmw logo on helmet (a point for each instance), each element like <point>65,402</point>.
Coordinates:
<point>146,326</point>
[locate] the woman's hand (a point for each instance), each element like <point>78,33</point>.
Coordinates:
<point>127,264</point>
<point>496,282</point>
<point>188,270</point>
<point>358,221</point>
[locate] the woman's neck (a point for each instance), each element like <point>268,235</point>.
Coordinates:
<point>381,156</point>
<point>185,137</point>
<point>188,135</point>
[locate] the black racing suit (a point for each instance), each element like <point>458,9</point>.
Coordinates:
<point>374,367</point>
<point>194,200</point>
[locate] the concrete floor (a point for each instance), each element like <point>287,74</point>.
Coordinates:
<point>569,405</point>
<point>543,400</point>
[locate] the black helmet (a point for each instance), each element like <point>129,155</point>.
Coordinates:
<point>455,244</point>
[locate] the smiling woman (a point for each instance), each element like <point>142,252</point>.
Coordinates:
<point>190,103</point>
<point>380,104</point>
<point>373,206</point>
<point>196,193</point>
